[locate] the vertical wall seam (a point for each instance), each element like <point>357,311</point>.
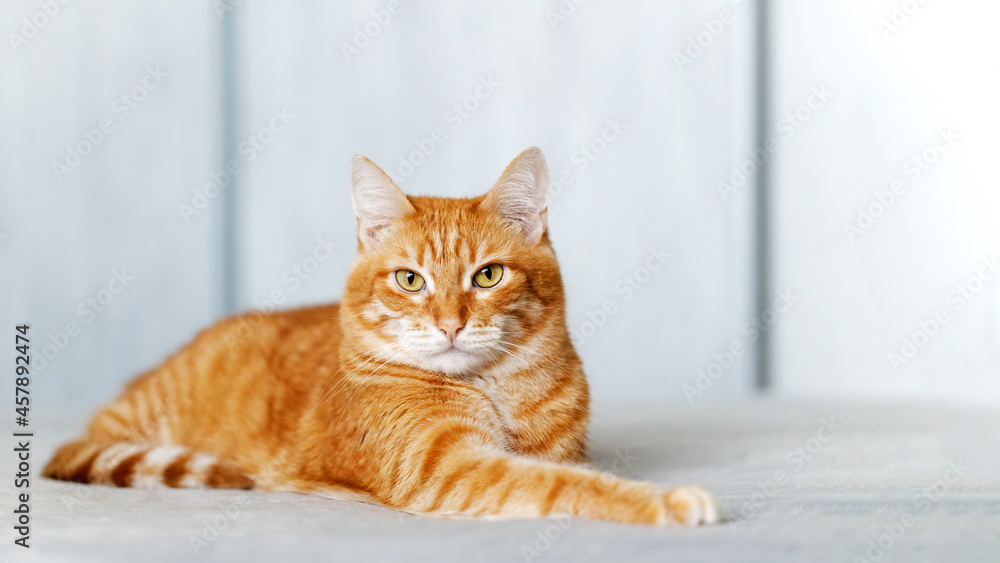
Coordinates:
<point>762,198</point>
<point>229,284</point>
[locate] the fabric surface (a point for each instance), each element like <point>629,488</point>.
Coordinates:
<point>798,482</point>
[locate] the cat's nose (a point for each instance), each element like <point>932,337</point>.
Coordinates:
<point>450,326</point>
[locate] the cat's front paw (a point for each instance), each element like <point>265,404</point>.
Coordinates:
<point>690,505</point>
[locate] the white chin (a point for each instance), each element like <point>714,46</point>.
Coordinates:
<point>450,362</point>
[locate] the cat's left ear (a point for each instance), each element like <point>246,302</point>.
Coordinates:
<point>378,202</point>
<point>521,194</point>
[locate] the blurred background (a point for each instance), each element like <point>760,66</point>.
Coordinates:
<point>792,198</point>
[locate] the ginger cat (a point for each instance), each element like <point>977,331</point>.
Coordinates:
<point>444,384</point>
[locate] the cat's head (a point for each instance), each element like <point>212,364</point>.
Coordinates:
<point>454,286</point>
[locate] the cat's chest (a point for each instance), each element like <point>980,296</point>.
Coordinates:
<point>502,400</point>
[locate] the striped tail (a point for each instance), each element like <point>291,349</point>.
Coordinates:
<point>125,464</point>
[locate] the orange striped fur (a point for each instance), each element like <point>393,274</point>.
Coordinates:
<point>456,399</point>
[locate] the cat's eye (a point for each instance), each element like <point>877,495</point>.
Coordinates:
<point>409,280</point>
<point>489,276</point>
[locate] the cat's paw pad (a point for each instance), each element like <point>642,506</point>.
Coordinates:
<point>691,505</point>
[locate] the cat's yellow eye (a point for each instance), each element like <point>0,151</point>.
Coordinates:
<point>489,276</point>
<point>409,280</point>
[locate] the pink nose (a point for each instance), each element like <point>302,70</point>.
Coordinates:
<point>450,327</point>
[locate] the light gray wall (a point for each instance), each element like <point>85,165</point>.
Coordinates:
<point>655,186</point>
<point>117,210</point>
<point>862,294</point>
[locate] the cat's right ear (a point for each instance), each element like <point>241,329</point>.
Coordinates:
<point>377,201</point>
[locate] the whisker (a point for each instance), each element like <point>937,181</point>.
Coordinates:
<point>342,366</point>
<point>359,387</point>
<point>341,385</point>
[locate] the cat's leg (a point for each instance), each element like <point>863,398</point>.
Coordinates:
<point>475,481</point>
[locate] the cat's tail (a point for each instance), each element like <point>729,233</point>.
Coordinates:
<point>126,464</point>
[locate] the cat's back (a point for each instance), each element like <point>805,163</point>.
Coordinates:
<point>282,352</point>
<point>246,375</point>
